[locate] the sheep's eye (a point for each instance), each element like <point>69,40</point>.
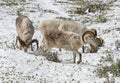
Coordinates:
<point>75,37</point>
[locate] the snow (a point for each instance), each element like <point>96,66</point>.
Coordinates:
<point>21,67</point>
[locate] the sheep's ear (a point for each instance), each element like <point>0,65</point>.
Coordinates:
<point>100,41</point>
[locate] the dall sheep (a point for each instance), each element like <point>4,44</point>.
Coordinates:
<point>25,32</point>
<point>80,29</point>
<point>71,26</point>
<point>67,40</point>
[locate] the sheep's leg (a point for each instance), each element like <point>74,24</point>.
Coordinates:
<point>22,44</point>
<point>31,47</point>
<point>39,50</point>
<point>60,49</point>
<point>43,41</point>
<point>92,49</point>
<point>74,56</point>
<point>80,56</point>
<point>83,49</point>
<point>46,52</point>
<point>20,47</point>
<point>18,39</point>
<point>25,48</point>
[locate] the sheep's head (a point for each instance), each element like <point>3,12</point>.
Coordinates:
<point>99,41</point>
<point>89,37</point>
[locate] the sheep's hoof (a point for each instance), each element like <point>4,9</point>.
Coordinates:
<point>78,62</point>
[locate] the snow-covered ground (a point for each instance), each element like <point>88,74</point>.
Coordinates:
<point>17,66</point>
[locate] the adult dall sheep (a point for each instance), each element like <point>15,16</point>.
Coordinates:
<point>67,40</point>
<point>80,29</point>
<point>70,26</point>
<point>25,32</point>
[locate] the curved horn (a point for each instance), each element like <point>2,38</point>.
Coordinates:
<point>94,31</point>
<point>87,32</point>
<point>34,40</point>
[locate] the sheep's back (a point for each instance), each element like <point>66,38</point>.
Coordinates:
<point>73,27</point>
<point>49,25</point>
<point>24,28</point>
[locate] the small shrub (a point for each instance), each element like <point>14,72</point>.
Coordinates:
<point>109,56</point>
<point>80,11</point>
<point>9,3</point>
<point>91,6</point>
<point>113,69</point>
<point>63,18</point>
<point>106,31</point>
<point>96,6</point>
<point>117,29</point>
<point>21,9</point>
<point>101,18</point>
<point>32,11</point>
<point>52,57</point>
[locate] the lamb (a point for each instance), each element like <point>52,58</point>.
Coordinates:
<point>25,32</point>
<point>67,40</point>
